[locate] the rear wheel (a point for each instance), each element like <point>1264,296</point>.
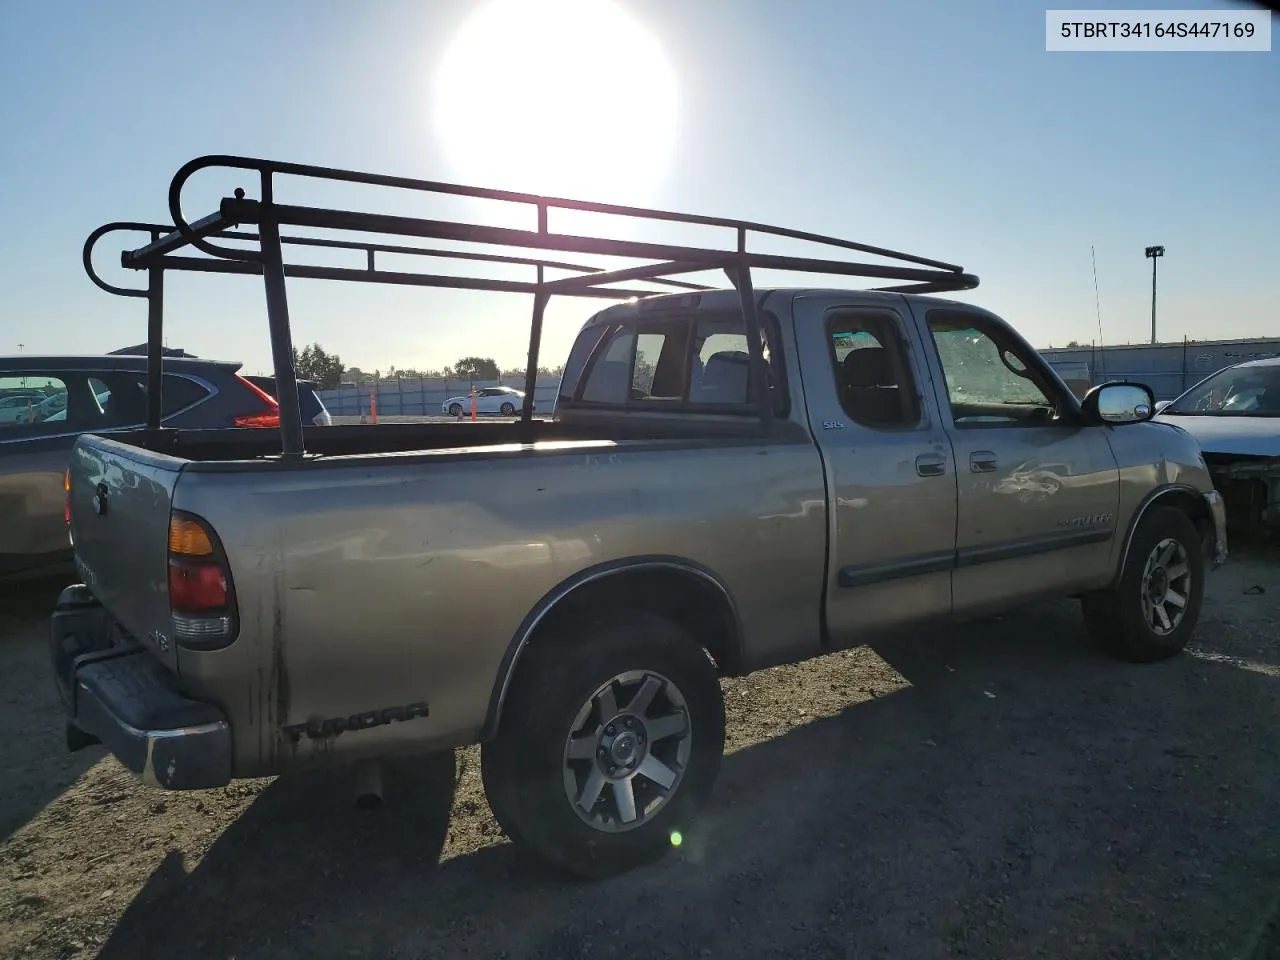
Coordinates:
<point>610,743</point>
<point>1151,613</point>
<point>508,409</point>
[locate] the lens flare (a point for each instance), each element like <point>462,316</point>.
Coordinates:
<point>568,97</point>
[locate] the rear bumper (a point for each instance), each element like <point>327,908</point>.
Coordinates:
<point>114,692</point>
<point>1217,546</point>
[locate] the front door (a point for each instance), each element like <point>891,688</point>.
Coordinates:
<point>1038,492</point>
<point>890,471</point>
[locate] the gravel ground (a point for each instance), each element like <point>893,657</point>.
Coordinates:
<point>995,791</point>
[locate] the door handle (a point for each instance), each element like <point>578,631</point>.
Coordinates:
<point>982,461</point>
<point>931,465</point>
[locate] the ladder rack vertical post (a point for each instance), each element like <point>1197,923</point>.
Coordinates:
<point>291,442</point>
<point>155,346</point>
<point>740,275</point>
<point>535,332</point>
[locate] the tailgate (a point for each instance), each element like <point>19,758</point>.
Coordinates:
<point>120,497</point>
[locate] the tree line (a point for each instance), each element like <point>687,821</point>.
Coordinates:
<point>315,363</point>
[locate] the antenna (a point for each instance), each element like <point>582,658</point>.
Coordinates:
<point>1097,306</point>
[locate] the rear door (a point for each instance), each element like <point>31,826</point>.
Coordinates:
<point>1038,492</point>
<point>890,471</point>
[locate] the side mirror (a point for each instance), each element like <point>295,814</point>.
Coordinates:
<point>1118,403</point>
<point>1161,404</point>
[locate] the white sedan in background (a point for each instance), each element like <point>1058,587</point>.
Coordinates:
<point>20,409</point>
<point>505,401</point>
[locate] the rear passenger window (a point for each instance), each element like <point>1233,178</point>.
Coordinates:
<point>27,403</point>
<point>122,397</point>
<point>873,377</point>
<point>180,393</point>
<point>119,399</point>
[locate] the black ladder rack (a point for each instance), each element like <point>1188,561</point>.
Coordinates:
<point>170,247</point>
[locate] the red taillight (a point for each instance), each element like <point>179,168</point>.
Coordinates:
<point>200,593</point>
<point>268,418</point>
<point>66,502</point>
<point>258,420</point>
<point>197,586</point>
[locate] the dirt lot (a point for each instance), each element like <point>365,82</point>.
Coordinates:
<point>999,791</point>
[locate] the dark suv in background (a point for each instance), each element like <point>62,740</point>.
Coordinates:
<point>63,397</point>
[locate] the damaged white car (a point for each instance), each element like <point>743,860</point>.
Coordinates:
<point>1235,415</point>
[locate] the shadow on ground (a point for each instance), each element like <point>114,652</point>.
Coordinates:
<point>1023,797</point>
<point>24,599</point>
<point>34,764</point>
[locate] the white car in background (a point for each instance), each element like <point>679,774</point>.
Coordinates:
<point>19,409</point>
<point>504,401</point>
<point>1235,411</point>
<point>1235,416</point>
<point>52,404</point>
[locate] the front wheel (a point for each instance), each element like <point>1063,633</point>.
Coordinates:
<point>610,742</point>
<point>455,409</point>
<point>1151,613</point>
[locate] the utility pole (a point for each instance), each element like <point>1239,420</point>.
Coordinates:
<point>1154,253</point>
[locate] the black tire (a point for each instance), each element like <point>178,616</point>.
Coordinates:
<point>524,766</point>
<point>455,409</point>
<point>508,409</point>
<point>1120,621</point>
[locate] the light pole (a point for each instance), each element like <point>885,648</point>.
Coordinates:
<point>1153,253</point>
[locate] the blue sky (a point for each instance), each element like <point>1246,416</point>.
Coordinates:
<point>945,129</point>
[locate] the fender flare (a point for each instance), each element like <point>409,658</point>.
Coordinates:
<point>1159,493</point>
<point>566,588</point>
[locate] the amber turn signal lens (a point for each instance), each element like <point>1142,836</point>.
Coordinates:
<point>187,538</point>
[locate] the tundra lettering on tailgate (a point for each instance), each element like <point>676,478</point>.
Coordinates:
<point>318,729</point>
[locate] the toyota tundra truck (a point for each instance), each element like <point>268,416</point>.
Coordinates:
<point>732,478</point>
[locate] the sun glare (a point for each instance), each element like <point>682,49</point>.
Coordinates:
<point>563,97</point>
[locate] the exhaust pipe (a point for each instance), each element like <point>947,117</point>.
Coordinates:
<point>368,785</point>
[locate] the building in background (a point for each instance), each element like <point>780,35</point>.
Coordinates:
<point>1167,368</point>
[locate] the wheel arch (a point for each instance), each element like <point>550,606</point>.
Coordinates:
<point>679,588</point>
<point>1178,495</point>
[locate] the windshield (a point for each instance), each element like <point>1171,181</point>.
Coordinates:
<point>1236,391</point>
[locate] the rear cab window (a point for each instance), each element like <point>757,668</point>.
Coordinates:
<point>692,362</point>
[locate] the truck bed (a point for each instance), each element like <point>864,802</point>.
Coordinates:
<point>396,564</point>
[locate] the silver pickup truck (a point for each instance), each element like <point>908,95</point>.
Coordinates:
<point>731,479</point>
